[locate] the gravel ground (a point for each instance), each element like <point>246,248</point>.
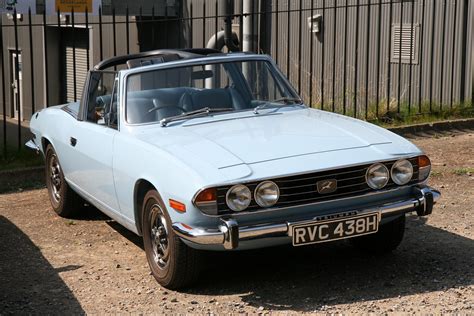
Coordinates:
<point>92,265</point>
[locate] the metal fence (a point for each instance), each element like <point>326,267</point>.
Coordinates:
<point>370,59</point>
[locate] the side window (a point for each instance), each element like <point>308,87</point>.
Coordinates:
<point>111,109</point>
<point>101,85</point>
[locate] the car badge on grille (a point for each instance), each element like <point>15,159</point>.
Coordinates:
<point>327,186</point>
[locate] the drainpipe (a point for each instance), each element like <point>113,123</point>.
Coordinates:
<point>229,40</point>
<point>249,38</point>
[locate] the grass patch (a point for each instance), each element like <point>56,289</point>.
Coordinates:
<point>392,114</point>
<point>436,174</point>
<point>19,159</point>
<point>463,171</point>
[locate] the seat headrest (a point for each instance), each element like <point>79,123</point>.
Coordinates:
<point>212,98</point>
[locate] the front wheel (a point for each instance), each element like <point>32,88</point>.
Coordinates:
<point>173,264</point>
<point>387,239</point>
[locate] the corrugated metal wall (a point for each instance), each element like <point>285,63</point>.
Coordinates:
<point>350,64</point>
<point>53,43</point>
<point>323,67</point>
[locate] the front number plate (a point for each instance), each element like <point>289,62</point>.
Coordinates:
<point>323,231</point>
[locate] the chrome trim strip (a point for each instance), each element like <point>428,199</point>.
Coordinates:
<point>229,233</point>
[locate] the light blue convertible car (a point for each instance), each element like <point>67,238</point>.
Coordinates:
<point>197,150</point>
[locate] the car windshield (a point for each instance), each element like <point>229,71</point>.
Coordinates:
<point>186,92</point>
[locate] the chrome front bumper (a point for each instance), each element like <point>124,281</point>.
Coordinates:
<point>32,146</point>
<point>229,233</point>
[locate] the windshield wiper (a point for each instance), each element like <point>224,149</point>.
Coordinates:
<point>193,114</point>
<point>271,104</point>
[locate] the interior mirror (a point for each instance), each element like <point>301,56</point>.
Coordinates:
<point>201,74</point>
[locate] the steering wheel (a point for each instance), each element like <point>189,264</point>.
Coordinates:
<point>157,107</point>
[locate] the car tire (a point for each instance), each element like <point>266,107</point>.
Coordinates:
<point>387,239</point>
<point>65,202</point>
<point>173,264</point>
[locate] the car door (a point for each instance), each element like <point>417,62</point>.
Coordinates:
<point>91,148</point>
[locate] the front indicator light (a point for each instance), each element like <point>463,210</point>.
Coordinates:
<point>238,198</point>
<point>178,206</point>
<point>424,167</point>
<point>206,201</point>
<point>377,176</point>
<point>402,172</point>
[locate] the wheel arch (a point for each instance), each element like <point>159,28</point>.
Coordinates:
<point>142,186</point>
<point>44,144</point>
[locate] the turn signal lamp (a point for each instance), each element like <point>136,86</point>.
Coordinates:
<point>206,201</point>
<point>178,206</point>
<point>424,167</point>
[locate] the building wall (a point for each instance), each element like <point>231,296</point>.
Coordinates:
<point>306,65</point>
<point>55,59</point>
<point>300,53</point>
<point>438,76</point>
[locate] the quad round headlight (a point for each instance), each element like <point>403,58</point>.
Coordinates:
<point>238,198</point>
<point>402,172</point>
<point>267,194</point>
<point>377,176</point>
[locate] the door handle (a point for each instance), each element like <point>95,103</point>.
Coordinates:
<point>73,141</point>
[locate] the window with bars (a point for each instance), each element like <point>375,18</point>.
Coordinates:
<point>403,37</point>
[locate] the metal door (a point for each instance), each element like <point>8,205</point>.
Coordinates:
<point>17,84</point>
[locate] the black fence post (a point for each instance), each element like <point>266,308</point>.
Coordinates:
<point>127,29</point>
<point>356,52</point>
<point>334,46</point>
<point>367,60</point>
<point>32,71</point>
<point>453,53</point>
<point>344,71</point>
<point>153,27</point>
<point>114,33</point>
<point>288,51</point>
<point>311,59</point>
<point>420,75</point>
<point>323,50</point>
<point>277,31</point>
<point>216,21</point>
<point>4,89</point>
<point>464,53</point>
<point>400,58</point>
<point>101,48</point>
<point>389,52</point>
<point>442,63</point>
<point>379,48</point>
<point>88,39</point>
<point>191,27</point>
<point>300,41</point>
<point>204,24</point>
<point>433,21</point>
<point>46,77</point>
<point>17,75</point>
<point>74,69</point>
<point>410,83</point>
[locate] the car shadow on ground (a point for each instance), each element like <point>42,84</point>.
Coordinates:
<point>308,278</point>
<point>28,283</point>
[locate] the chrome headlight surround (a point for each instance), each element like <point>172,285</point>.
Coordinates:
<point>238,198</point>
<point>377,176</point>
<point>267,194</point>
<point>402,172</point>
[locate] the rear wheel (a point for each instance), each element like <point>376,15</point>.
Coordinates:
<point>173,264</point>
<point>65,202</point>
<point>387,239</point>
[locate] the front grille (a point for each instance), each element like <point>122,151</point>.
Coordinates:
<point>302,189</point>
